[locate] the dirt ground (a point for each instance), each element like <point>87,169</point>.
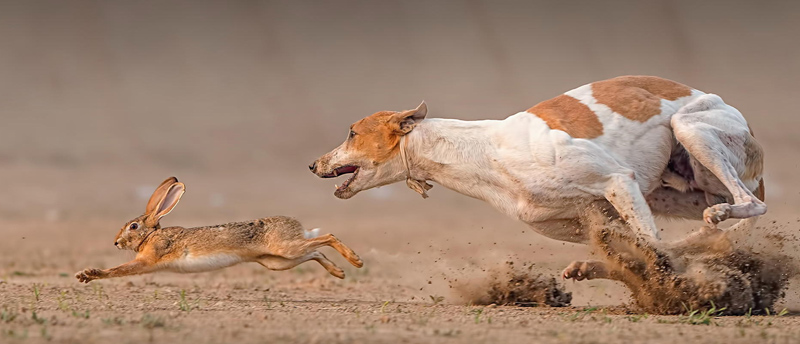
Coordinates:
<point>100,101</point>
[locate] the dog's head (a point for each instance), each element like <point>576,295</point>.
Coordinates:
<point>370,152</point>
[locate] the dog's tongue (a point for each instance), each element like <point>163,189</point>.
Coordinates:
<point>346,169</point>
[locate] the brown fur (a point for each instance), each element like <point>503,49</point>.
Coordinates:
<point>707,269</point>
<point>760,192</point>
<point>277,243</point>
<point>637,97</point>
<point>754,163</point>
<point>569,115</point>
<point>376,136</point>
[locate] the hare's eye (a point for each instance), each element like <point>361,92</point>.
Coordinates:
<point>134,226</point>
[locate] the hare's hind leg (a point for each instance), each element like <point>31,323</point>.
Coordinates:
<point>278,263</point>
<point>299,248</point>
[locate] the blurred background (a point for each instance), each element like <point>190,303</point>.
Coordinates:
<point>102,100</point>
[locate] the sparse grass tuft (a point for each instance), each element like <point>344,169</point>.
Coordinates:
<point>436,299</point>
<point>383,308</point>
<point>477,312</point>
<point>150,321</point>
<point>579,315</point>
<point>36,291</point>
<point>113,321</point>
<point>8,314</point>
<point>62,301</point>
<point>35,317</point>
<point>637,318</point>
<point>45,334</point>
<point>82,315</point>
<point>98,290</point>
<point>185,305</point>
<point>706,317</point>
<point>11,333</point>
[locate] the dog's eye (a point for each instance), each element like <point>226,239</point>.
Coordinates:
<point>134,226</point>
<point>352,134</point>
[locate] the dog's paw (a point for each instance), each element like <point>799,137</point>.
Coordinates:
<point>717,213</point>
<point>88,275</point>
<point>580,270</point>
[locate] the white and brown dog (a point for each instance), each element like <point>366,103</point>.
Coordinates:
<point>645,144</point>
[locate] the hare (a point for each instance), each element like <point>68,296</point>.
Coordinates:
<point>277,243</point>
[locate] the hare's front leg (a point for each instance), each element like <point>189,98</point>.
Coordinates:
<point>133,267</point>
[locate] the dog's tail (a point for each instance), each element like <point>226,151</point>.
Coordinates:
<point>759,192</point>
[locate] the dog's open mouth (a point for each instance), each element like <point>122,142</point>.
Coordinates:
<point>343,170</point>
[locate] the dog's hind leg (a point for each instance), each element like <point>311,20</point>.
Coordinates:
<point>719,141</point>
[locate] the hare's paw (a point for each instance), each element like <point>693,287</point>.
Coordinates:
<point>717,213</point>
<point>352,257</point>
<point>88,275</point>
<point>336,272</point>
<point>356,261</point>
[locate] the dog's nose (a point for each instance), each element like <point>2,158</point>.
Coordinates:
<point>116,244</point>
<point>313,166</point>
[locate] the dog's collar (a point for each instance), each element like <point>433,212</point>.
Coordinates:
<point>420,186</point>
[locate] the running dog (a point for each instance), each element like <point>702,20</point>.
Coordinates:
<point>647,145</point>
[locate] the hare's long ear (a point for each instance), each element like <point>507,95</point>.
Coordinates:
<point>166,204</point>
<point>158,195</point>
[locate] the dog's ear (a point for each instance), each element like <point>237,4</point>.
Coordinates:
<point>405,121</point>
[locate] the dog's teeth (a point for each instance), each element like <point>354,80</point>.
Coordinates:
<point>336,186</point>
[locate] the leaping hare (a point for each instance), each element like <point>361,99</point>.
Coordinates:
<point>277,243</point>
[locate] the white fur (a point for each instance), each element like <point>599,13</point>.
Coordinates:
<point>191,263</point>
<point>311,233</point>
<point>544,177</point>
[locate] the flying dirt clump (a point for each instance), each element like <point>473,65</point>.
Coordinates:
<point>518,287</point>
<point>706,269</point>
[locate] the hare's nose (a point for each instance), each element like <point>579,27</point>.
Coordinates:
<point>313,166</point>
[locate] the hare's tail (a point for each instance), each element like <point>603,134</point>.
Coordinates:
<point>311,233</point>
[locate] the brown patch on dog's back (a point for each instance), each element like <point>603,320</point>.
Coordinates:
<point>637,97</point>
<point>569,115</point>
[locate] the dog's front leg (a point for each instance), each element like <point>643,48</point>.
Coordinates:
<point>623,192</point>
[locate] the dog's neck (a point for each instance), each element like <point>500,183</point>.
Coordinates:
<point>459,156</point>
